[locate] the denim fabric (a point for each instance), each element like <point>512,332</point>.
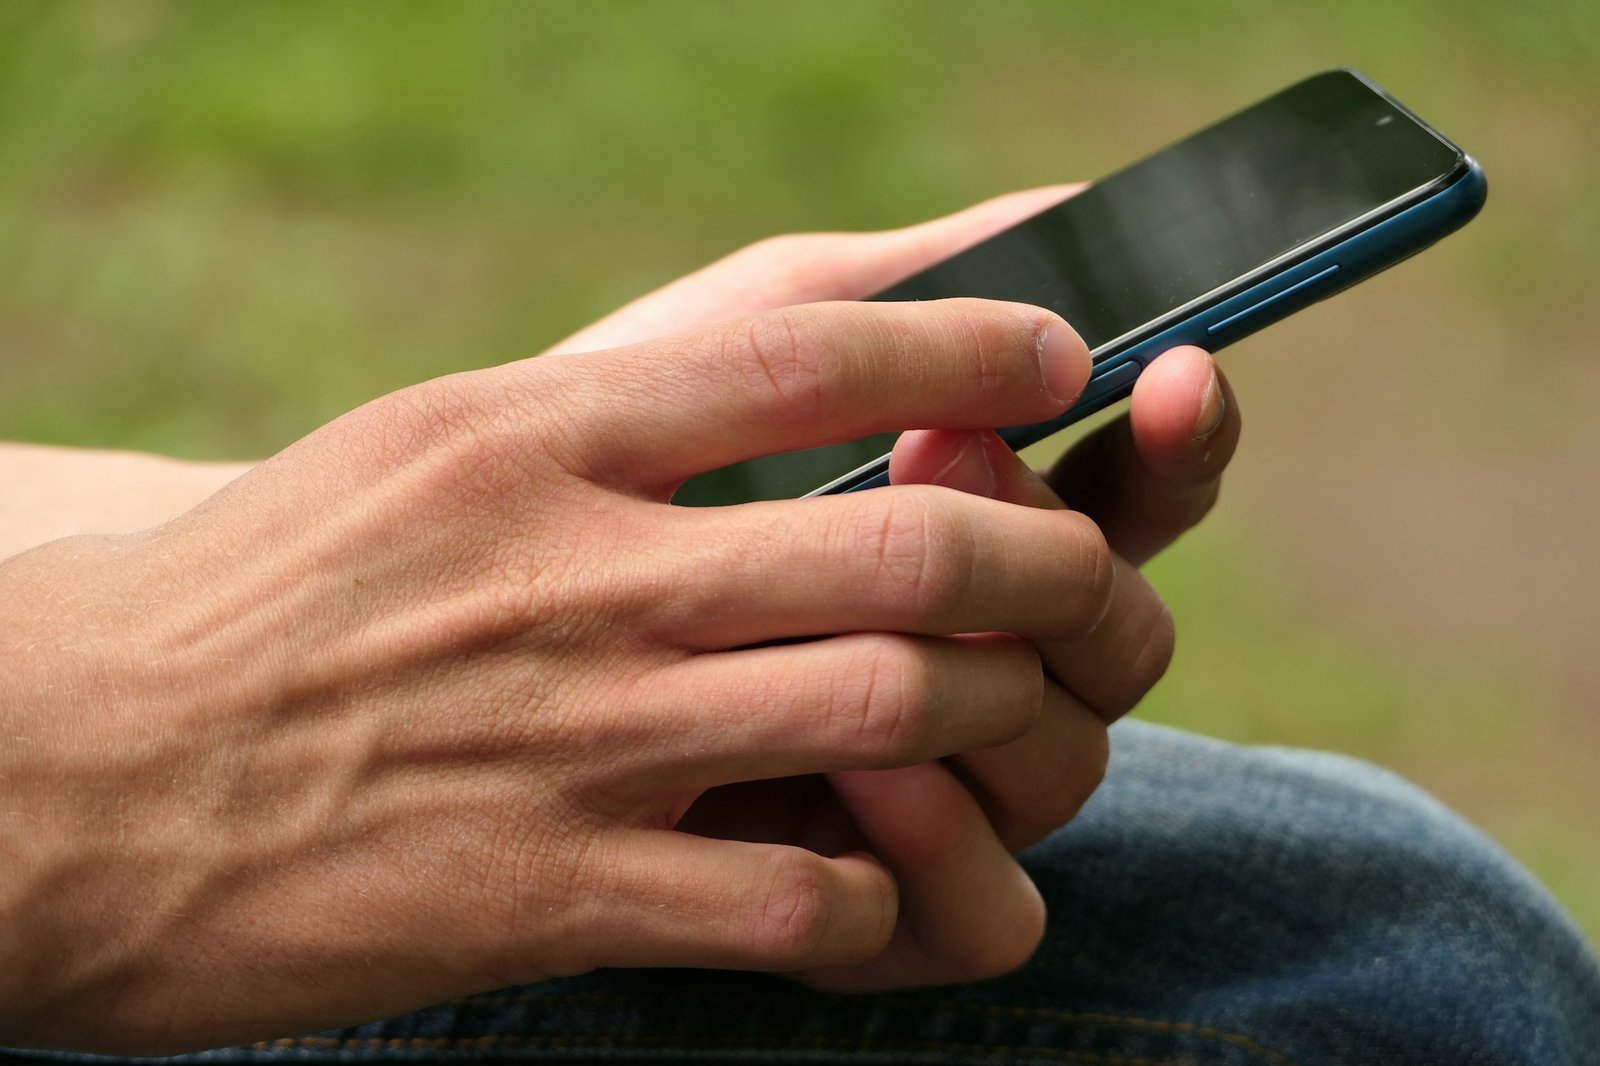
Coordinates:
<point>1212,904</point>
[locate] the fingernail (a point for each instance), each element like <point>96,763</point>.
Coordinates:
<point>968,470</point>
<point>1063,361</point>
<point>1212,408</point>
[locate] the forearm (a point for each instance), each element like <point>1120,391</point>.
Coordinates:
<point>49,492</point>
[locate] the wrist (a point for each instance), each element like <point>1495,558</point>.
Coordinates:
<point>54,492</point>
<point>69,660</point>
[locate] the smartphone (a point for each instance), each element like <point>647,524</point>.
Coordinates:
<point>1203,243</point>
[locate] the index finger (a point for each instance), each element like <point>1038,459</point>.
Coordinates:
<point>652,415</point>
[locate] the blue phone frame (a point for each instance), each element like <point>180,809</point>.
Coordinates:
<point>1337,261</point>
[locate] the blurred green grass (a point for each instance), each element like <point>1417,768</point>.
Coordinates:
<point>222,225</point>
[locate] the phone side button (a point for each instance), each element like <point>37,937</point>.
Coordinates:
<point>1277,297</point>
<point>1109,384</point>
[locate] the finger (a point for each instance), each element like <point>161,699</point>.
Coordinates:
<point>655,414</point>
<point>1037,783</point>
<point>1114,663</point>
<point>661,898</point>
<point>976,462</point>
<point>967,910</point>
<point>908,560</point>
<point>859,701</point>
<point>1117,665</point>
<point>807,268</point>
<point>1149,477</point>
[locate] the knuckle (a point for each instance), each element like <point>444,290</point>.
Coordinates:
<point>1095,573</point>
<point>562,407</point>
<point>419,419</point>
<point>792,924</point>
<point>534,888</point>
<point>1154,655</point>
<point>1016,946</point>
<point>1143,651</point>
<point>886,704</point>
<point>1017,714</point>
<point>777,362</point>
<point>1000,348</point>
<point>1095,756</point>
<point>453,435</point>
<point>922,555</point>
<point>1004,945</point>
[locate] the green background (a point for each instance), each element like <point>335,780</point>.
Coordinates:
<point>223,224</point>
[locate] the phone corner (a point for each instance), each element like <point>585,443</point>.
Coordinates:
<point>1471,188</point>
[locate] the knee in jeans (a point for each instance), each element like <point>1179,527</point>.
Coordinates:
<point>1312,877</point>
<point>1333,835</point>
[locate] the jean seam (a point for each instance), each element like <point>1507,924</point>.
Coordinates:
<point>1123,1021</point>
<point>423,1043</point>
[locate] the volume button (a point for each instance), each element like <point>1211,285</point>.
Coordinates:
<point>1277,297</point>
<point>1109,382</point>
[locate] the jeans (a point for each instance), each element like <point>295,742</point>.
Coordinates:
<point>1211,904</point>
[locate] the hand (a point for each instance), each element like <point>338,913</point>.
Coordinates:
<point>947,830</point>
<point>409,710</point>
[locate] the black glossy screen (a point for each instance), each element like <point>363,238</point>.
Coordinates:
<point>1149,239</point>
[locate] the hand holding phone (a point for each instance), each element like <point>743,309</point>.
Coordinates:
<point>1142,479</point>
<point>1205,242</point>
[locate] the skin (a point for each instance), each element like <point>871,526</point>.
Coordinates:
<point>446,697</point>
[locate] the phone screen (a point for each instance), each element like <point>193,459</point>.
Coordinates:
<point>1166,231</point>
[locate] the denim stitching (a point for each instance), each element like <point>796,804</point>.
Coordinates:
<point>1088,1058</point>
<point>1238,1040</point>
